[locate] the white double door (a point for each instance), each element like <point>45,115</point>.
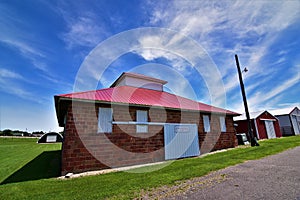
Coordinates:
<point>270,129</point>
<point>181,140</point>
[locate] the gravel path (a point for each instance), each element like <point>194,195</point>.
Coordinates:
<point>273,177</point>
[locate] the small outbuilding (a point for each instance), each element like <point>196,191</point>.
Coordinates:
<point>135,121</point>
<point>264,125</point>
<point>51,137</point>
<point>289,120</point>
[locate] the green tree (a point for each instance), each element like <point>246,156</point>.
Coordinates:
<point>7,132</point>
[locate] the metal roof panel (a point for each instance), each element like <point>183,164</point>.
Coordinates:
<point>146,97</point>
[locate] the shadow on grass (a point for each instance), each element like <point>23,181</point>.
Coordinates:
<point>45,165</point>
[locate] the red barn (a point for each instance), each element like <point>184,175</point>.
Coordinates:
<point>264,125</point>
<point>135,122</point>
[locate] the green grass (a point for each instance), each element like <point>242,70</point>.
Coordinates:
<point>23,159</point>
<point>124,185</point>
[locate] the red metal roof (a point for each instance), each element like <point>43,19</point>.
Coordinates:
<point>146,97</point>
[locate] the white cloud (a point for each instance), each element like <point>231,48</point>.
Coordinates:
<point>83,31</point>
<point>26,49</point>
<point>225,28</point>
<point>249,23</point>
<point>261,97</point>
<point>25,46</point>
<point>17,90</point>
<point>15,84</point>
<point>31,53</point>
<point>5,73</point>
<point>178,50</point>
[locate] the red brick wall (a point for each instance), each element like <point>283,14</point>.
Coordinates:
<point>216,140</point>
<point>84,149</point>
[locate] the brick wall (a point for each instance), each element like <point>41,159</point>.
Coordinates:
<point>84,149</point>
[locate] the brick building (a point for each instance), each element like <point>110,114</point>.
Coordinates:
<point>134,122</point>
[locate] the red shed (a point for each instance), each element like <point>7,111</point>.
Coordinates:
<point>264,125</point>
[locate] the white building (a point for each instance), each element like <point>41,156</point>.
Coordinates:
<point>289,120</point>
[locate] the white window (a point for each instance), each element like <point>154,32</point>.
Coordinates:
<point>105,120</point>
<point>141,117</point>
<point>222,124</point>
<point>206,123</point>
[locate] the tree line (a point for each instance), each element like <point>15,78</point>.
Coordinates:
<point>8,132</point>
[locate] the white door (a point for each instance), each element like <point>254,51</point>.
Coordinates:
<point>270,129</point>
<point>295,124</point>
<point>181,140</point>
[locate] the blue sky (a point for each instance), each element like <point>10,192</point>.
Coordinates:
<point>46,46</point>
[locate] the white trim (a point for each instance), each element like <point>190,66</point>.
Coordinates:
<point>257,133</point>
<point>295,115</point>
<point>146,123</point>
<point>273,120</point>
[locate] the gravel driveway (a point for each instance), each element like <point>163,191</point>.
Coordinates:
<point>273,177</point>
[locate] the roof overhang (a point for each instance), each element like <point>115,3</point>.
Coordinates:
<point>61,106</point>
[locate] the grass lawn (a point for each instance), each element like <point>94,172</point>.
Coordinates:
<point>124,185</point>
<point>23,159</point>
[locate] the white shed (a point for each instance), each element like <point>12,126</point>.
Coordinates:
<point>289,120</point>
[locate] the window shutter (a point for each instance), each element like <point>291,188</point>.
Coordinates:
<point>104,120</point>
<point>206,123</point>
<point>222,124</point>
<point>141,116</point>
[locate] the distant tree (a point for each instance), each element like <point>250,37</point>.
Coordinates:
<point>17,133</point>
<point>7,132</point>
<point>38,133</point>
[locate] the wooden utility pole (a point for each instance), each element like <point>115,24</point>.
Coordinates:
<point>253,139</point>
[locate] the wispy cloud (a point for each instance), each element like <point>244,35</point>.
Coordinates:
<point>84,28</point>
<point>36,57</point>
<point>26,49</point>
<point>13,88</point>
<point>83,31</point>
<point>10,83</point>
<point>23,42</point>
<point>252,25</point>
<point>260,98</point>
<point>7,76</point>
<point>152,47</point>
<point>5,73</point>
